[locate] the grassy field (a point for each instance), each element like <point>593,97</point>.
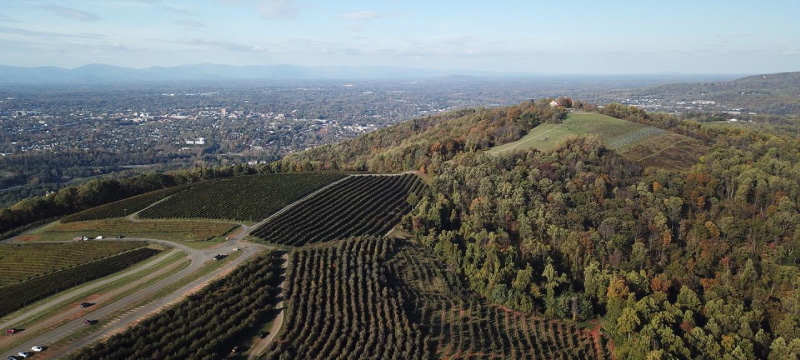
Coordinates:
<point>176,230</point>
<point>646,145</point>
<point>20,262</point>
<point>609,130</point>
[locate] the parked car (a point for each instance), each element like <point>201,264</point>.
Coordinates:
<point>37,348</point>
<point>24,354</point>
<point>12,358</point>
<point>86,304</point>
<point>11,331</point>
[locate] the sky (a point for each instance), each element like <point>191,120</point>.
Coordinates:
<point>537,37</point>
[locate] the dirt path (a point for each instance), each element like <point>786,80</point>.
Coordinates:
<point>662,150</point>
<point>260,347</point>
<point>134,217</point>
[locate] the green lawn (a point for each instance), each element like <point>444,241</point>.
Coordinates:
<point>612,132</point>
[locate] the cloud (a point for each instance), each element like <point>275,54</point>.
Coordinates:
<point>173,9</point>
<point>4,18</point>
<point>268,9</point>
<point>275,9</point>
<point>363,15</point>
<point>210,45</point>
<point>48,35</point>
<point>358,19</point>
<point>176,10</point>
<point>190,24</point>
<point>70,13</point>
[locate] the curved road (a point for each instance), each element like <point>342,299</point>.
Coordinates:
<point>199,258</point>
<point>71,293</point>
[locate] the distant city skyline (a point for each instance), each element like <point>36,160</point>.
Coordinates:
<point>580,37</point>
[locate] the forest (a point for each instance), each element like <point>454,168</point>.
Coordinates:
<point>697,263</point>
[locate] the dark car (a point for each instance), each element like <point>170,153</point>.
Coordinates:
<point>263,334</point>
<point>89,322</point>
<point>86,304</point>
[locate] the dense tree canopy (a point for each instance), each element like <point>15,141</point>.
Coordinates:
<point>701,263</point>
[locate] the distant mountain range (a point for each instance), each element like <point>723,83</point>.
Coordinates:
<point>99,73</point>
<point>108,73</point>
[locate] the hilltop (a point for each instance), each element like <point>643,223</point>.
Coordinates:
<point>530,125</point>
<point>643,144</point>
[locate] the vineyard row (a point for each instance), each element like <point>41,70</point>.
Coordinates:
<point>242,198</point>
<point>360,205</point>
<point>207,325</point>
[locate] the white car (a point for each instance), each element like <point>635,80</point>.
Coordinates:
<point>24,354</point>
<point>37,348</point>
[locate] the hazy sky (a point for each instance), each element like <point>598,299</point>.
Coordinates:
<point>592,36</point>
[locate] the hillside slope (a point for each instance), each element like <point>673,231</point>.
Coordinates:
<point>699,263</point>
<point>643,144</point>
<point>412,144</point>
<point>415,144</point>
<point>770,94</point>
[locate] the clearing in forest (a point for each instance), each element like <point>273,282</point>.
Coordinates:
<point>644,144</point>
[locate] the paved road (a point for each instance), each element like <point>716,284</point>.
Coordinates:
<point>70,310</point>
<point>60,297</point>
<point>131,317</point>
<point>199,259</point>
